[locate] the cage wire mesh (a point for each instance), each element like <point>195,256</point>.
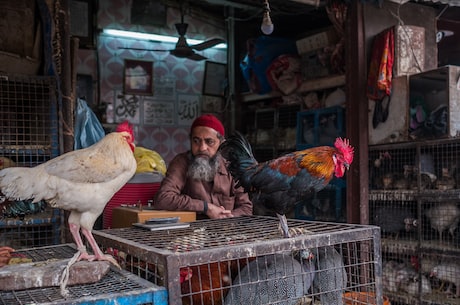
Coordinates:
<point>28,137</point>
<point>116,287</point>
<point>273,131</point>
<point>246,260</point>
<point>414,200</point>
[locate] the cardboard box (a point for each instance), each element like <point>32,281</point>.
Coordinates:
<point>123,217</point>
<point>314,64</point>
<point>317,41</point>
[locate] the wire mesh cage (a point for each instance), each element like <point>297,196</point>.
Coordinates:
<point>28,136</point>
<point>414,200</point>
<point>116,287</point>
<point>245,260</point>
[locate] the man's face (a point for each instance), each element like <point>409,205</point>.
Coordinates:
<point>204,142</point>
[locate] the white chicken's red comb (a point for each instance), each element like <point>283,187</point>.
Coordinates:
<point>343,145</point>
<point>125,126</point>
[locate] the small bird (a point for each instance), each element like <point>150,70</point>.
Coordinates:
<point>81,182</point>
<point>279,184</point>
<point>449,272</point>
<point>331,277</point>
<point>273,279</point>
<point>394,220</point>
<point>205,284</point>
<point>445,216</point>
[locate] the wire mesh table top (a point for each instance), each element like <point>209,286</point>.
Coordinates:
<point>208,234</point>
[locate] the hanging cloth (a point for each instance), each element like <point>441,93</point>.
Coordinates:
<point>381,74</point>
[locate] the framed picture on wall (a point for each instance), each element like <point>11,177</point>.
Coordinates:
<point>215,79</point>
<point>212,104</point>
<point>138,77</point>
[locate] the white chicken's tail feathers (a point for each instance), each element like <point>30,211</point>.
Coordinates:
<point>21,183</point>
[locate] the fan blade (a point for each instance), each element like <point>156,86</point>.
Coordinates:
<point>196,57</point>
<point>143,49</point>
<point>207,44</point>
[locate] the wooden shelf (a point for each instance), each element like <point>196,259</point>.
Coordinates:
<point>306,86</point>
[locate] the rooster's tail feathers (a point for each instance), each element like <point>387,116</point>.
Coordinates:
<point>236,149</point>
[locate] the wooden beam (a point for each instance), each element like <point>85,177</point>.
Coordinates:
<point>357,116</point>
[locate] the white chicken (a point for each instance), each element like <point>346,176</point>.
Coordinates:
<point>449,272</point>
<point>80,181</point>
<point>444,216</point>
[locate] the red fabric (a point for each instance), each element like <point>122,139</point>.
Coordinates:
<point>381,65</point>
<point>208,120</point>
<point>130,193</point>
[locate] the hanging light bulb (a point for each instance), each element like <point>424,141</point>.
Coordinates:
<point>267,25</point>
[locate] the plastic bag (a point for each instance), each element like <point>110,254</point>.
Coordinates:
<point>148,161</point>
<point>88,129</point>
<point>261,52</point>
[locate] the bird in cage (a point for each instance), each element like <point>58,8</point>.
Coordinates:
<point>279,278</point>
<point>331,277</point>
<point>279,184</point>
<point>444,216</point>
<point>450,273</point>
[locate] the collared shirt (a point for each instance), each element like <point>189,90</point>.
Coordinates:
<point>181,193</point>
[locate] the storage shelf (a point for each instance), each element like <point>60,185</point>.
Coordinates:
<point>306,86</point>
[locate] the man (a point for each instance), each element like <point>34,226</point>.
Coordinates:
<point>198,180</point>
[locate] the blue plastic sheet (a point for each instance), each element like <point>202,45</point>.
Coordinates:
<point>88,129</point>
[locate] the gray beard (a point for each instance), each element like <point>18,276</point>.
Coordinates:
<point>203,169</point>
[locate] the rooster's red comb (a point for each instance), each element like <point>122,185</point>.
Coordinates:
<point>343,145</point>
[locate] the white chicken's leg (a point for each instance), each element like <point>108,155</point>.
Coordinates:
<point>98,255</point>
<point>83,254</point>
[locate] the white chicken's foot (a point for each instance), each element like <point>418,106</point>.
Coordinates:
<point>66,272</point>
<point>98,257</point>
<point>109,258</point>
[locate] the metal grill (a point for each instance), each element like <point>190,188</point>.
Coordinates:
<point>414,199</point>
<point>205,263</point>
<point>28,137</point>
<point>28,119</point>
<point>116,287</point>
<point>42,229</point>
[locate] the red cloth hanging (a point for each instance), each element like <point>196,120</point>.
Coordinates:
<point>381,66</point>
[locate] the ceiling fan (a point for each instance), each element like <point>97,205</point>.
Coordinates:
<point>183,49</point>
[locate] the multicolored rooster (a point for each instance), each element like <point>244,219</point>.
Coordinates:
<point>280,183</point>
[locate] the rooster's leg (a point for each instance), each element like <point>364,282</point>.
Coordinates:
<point>284,225</point>
<point>98,255</point>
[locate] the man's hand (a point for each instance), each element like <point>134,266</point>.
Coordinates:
<point>216,212</point>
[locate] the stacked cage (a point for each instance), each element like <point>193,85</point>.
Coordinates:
<point>116,287</point>
<point>28,137</point>
<point>271,130</point>
<point>245,260</point>
<point>414,199</point>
